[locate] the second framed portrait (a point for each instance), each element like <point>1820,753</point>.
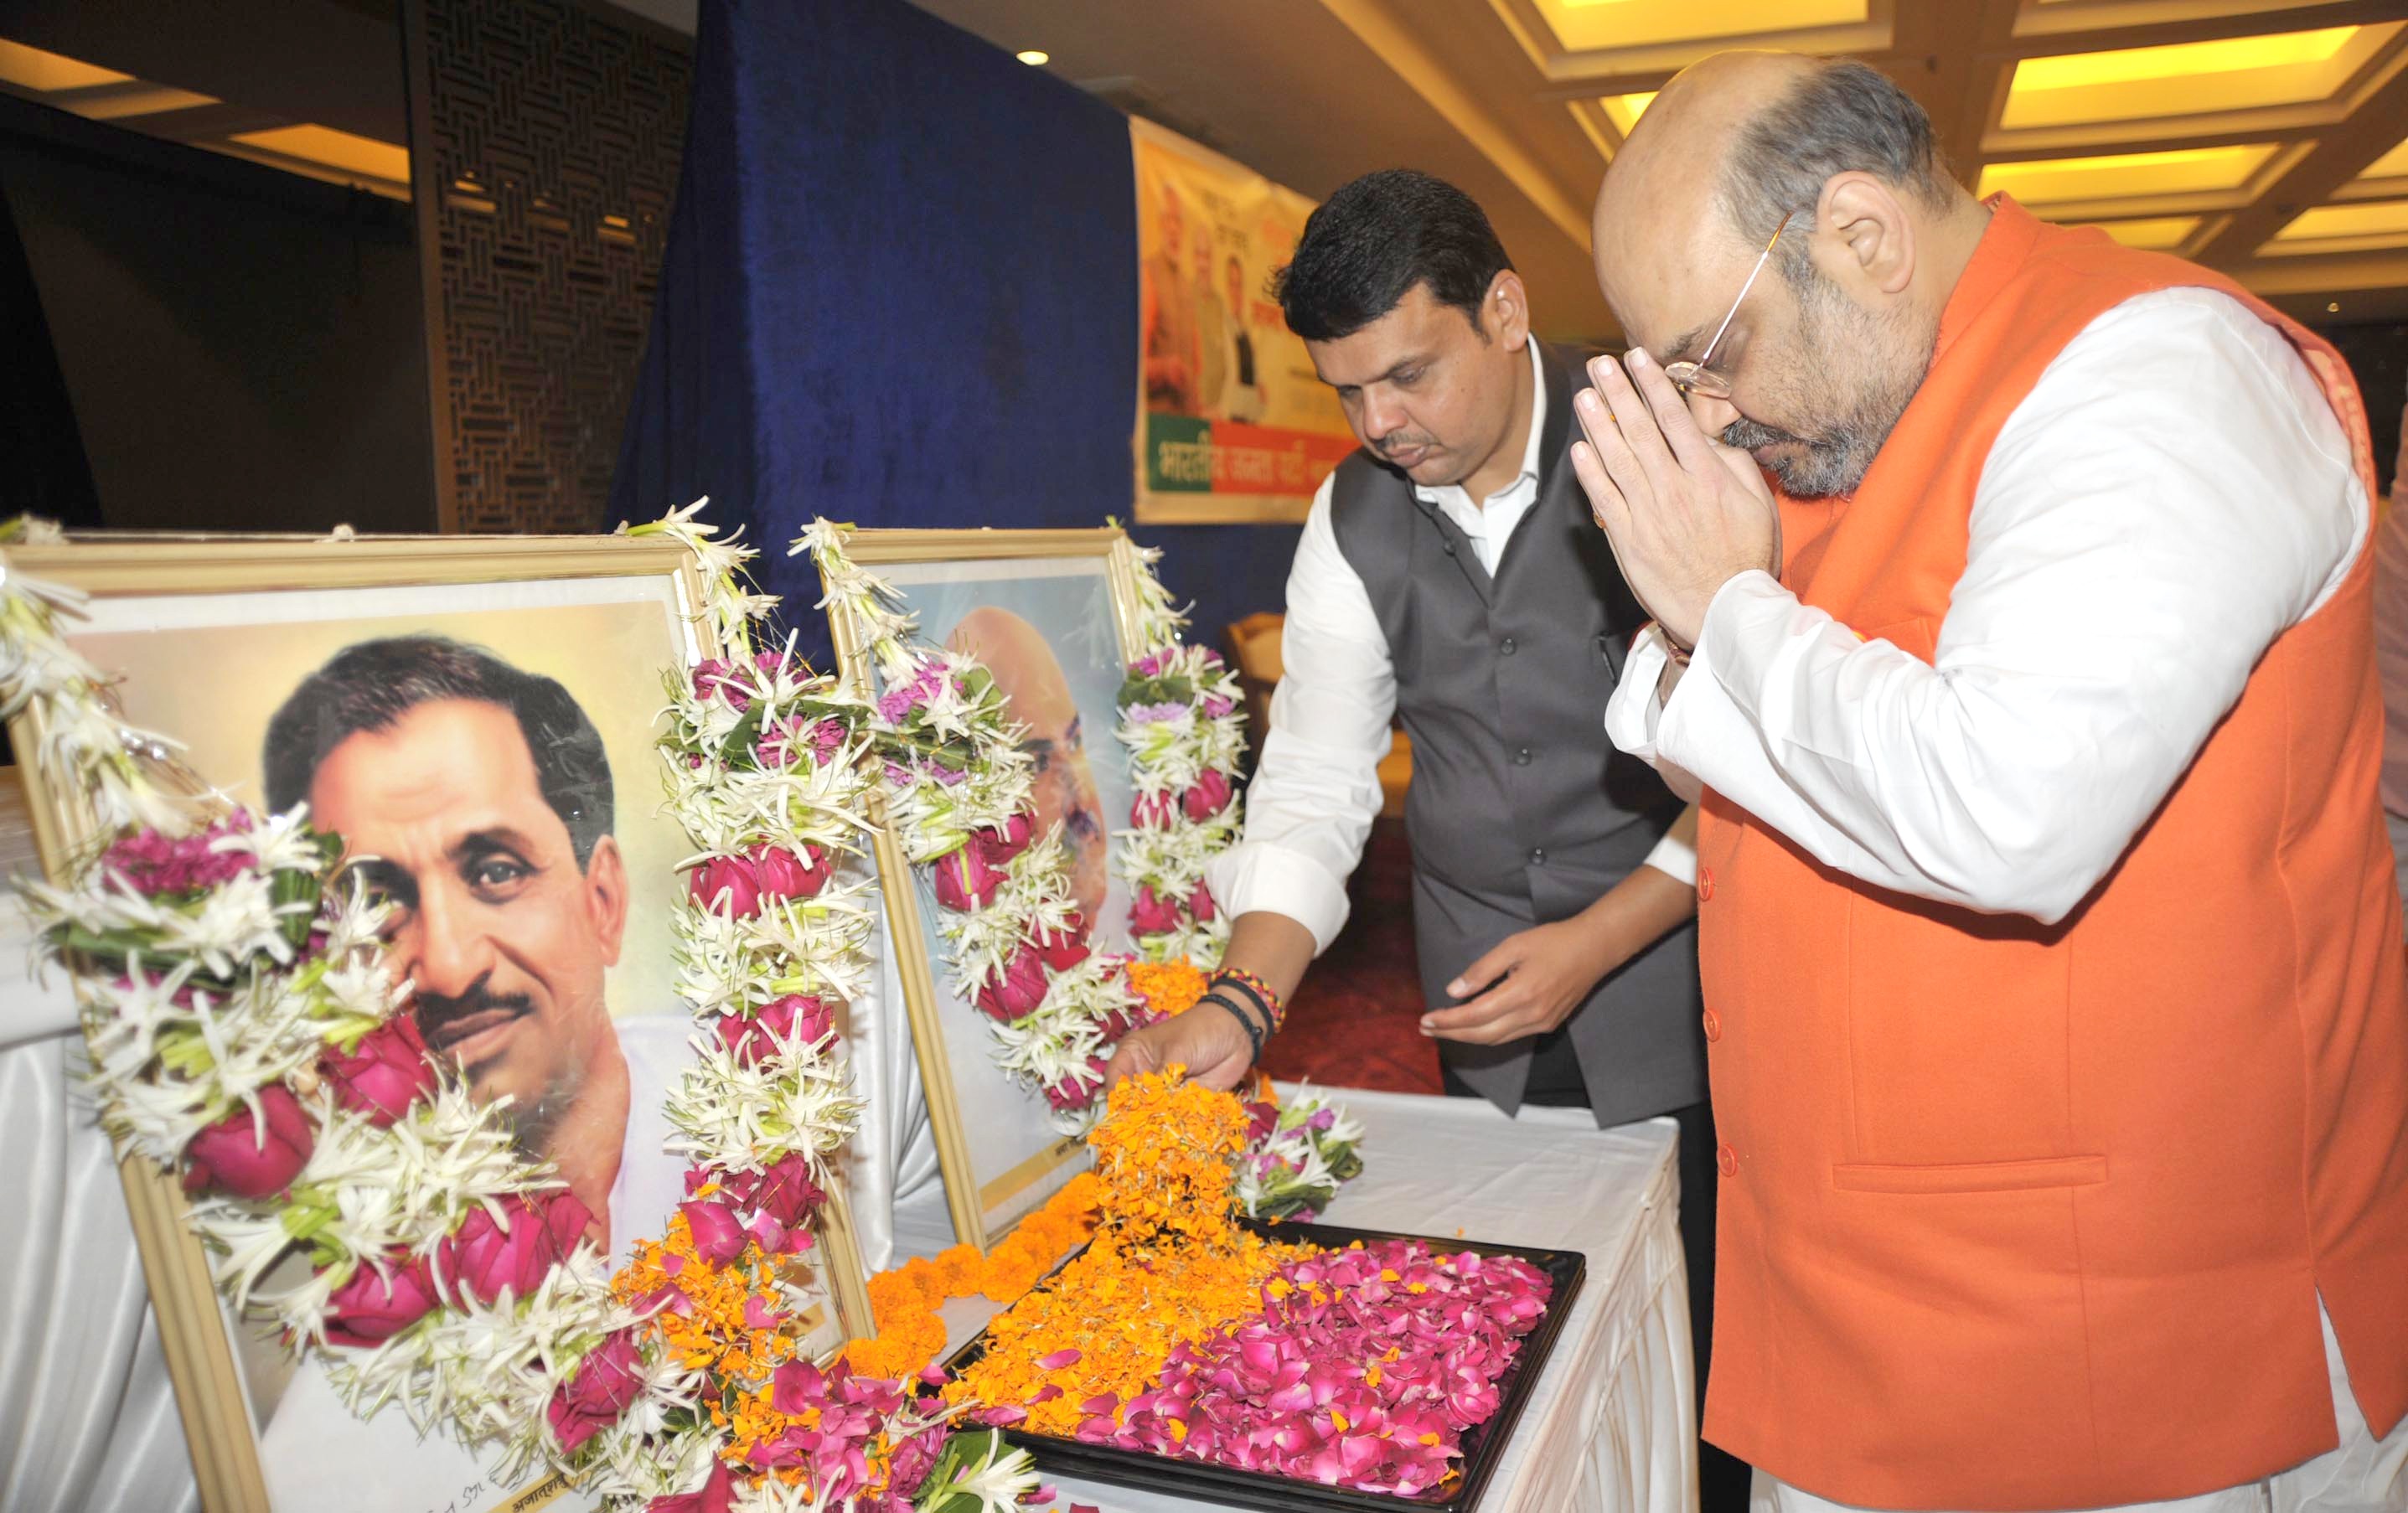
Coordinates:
<point>477,719</point>
<point>1050,614</point>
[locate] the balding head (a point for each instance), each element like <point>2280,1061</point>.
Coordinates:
<point>1037,694</point>
<point>1840,163</point>
<point>1670,171</point>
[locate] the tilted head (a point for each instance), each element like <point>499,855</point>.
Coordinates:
<point>1827,347</point>
<point>1406,301</point>
<point>479,799</point>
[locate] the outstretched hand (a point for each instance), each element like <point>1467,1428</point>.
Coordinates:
<point>1685,514</point>
<point>1205,1040</point>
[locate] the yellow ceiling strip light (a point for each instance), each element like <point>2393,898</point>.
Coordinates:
<point>2183,79</point>
<point>329,148</point>
<point>2156,233</point>
<point>1623,110</point>
<point>2127,175</point>
<point>48,73</point>
<point>2392,164</point>
<point>2332,222</point>
<point>1582,25</point>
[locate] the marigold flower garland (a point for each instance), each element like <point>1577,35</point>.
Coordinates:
<point>1167,1263</point>
<point>1179,1334</point>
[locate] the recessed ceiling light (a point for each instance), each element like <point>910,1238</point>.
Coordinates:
<point>2333,307</point>
<point>2190,170</point>
<point>2178,78</point>
<point>2386,219</point>
<point>2157,233</point>
<point>1034,58</point>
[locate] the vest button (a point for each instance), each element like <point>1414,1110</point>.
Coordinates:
<point>1705,884</point>
<point>1714,1025</point>
<point>1522,757</point>
<point>1537,856</point>
<point>1448,546</point>
<point>1726,1160</point>
<point>1506,646</point>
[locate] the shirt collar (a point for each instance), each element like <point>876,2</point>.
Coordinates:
<point>1529,473</point>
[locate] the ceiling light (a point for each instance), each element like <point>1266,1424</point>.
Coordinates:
<point>49,72</point>
<point>2127,175</point>
<point>1623,110</point>
<point>2185,78</point>
<point>2392,164</point>
<point>2332,307</point>
<point>2326,223</point>
<point>2154,234</point>
<point>2183,60</point>
<point>329,148</point>
<point>1580,25</point>
<point>1034,58</point>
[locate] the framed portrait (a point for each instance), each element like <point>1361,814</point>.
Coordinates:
<point>1051,615</point>
<point>478,717</point>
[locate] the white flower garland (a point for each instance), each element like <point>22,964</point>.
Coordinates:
<point>1184,723</point>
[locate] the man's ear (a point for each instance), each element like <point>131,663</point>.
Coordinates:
<point>1505,312</point>
<point>606,896</point>
<point>1872,230</point>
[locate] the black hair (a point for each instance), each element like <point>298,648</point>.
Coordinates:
<point>1370,244</point>
<point>1844,116</point>
<point>368,685</point>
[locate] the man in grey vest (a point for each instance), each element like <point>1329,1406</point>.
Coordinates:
<point>1450,574</point>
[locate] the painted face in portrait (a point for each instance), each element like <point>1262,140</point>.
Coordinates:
<point>1030,676</point>
<point>505,930</point>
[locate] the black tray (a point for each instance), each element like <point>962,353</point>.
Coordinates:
<point>1483,1445</point>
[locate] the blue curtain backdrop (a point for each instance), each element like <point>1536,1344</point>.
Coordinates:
<point>901,288</point>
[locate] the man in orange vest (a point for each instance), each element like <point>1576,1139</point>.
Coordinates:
<point>2055,997</point>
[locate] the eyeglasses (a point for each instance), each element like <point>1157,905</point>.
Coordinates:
<point>1700,376</point>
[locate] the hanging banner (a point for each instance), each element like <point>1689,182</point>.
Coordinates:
<point>1232,422</point>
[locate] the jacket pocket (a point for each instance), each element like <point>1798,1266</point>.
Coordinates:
<point>1973,1176</point>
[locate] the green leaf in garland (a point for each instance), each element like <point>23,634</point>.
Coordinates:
<point>737,747</point>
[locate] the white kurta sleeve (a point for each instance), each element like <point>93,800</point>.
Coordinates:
<point>1316,787</point>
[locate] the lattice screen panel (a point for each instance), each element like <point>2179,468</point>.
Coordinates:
<point>550,144</point>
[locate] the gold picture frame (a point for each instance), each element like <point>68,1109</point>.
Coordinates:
<point>211,1395</point>
<point>991,1175</point>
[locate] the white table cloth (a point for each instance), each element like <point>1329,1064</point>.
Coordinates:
<point>1611,1427</point>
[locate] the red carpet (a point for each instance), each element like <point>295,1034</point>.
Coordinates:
<point>1351,1024</point>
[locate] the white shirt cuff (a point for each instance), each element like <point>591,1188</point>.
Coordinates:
<point>1634,718</point>
<point>1631,712</point>
<point>1258,876</point>
<point>1675,858</point>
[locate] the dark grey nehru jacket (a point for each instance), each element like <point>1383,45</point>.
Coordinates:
<point>1521,811</point>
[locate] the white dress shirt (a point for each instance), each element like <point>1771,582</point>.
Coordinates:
<point>2172,495</point>
<point>1316,787</point>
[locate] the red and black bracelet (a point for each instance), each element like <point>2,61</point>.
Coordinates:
<point>1254,987</point>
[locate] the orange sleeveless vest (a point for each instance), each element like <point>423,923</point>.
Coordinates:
<point>2018,1217</point>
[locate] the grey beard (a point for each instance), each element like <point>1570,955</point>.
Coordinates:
<point>1833,463</point>
<point>1836,461</point>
